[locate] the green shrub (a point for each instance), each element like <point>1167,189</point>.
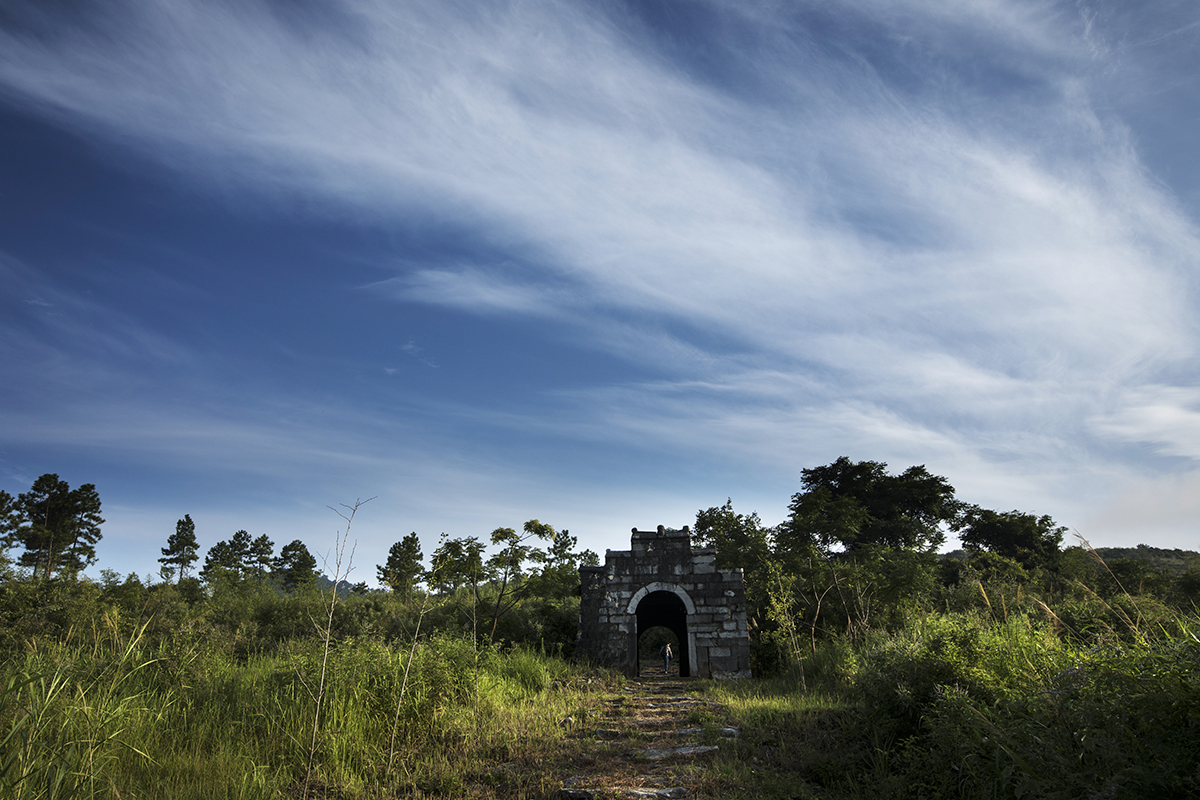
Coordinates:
<point>1117,722</point>
<point>903,676</point>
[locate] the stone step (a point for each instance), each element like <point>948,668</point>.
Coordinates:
<point>641,794</point>
<point>725,733</point>
<point>672,752</point>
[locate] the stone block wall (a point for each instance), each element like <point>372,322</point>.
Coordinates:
<point>662,580</point>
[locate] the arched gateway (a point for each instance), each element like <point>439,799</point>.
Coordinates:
<point>663,581</point>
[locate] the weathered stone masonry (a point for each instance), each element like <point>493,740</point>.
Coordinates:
<point>662,580</point>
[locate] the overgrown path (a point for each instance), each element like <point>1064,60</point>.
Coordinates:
<point>652,740</point>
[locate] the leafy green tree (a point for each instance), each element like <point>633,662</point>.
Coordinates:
<point>181,549</point>
<point>561,551</point>
<point>740,539</point>
<point>819,521</point>
<point>1187,587</point>
<point>295,566</point>
<point>1032,541</point>
<point>559,575</point>
<point>1078,565</point>
<point>858,504</point>
<point>996,569</point>
<point>57,526</point>
<point>239,549</point>
<point>1132,576</point>
<point>403,568</point>
<point>509,562</point>
<point>856,552</point>
<point>8,518</point>
<point>457,562</point>
<point>220,560</point>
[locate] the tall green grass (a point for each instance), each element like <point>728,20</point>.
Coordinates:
<point>119,719</point>
<point>1060,718</point>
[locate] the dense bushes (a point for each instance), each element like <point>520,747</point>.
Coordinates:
<point>974,676</point>
<point>1047,719</point>
<point>968,705</point>
<point>903,677</point>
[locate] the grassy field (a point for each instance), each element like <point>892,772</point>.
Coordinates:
<point>123,720</point>
<point>954,706</point>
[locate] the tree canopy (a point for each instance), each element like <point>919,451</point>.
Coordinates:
<point>57,526</point>
<point>740,539</point>
<point>457,562</point>
<point>239,557</point>
<point>559,573</point>
<point>403,568</point>
<point>509,562</point>
<point>295,566</point>
<point>1028,539</point>
<point>858,504</point>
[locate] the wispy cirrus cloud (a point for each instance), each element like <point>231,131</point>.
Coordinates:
<point>898,227</point>
<point>1167,417</point>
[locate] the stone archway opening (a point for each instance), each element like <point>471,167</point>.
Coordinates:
<point>650,642</point>
<point>663,609</point>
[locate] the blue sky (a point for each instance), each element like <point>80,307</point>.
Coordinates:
<point>600,264</point>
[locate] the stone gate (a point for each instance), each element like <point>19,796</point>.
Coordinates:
<point>663,581</point>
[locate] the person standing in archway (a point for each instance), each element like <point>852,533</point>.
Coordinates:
<point>665,652</point>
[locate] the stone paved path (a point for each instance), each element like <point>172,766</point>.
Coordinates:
<point>649,742</point>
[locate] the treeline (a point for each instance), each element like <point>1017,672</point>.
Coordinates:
<point>249,598</point>
<point>858,552</point>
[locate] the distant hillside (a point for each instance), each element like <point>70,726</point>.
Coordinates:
<point>1177,561</point>
<point>344,588</point>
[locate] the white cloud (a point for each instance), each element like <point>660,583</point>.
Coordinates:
<point>969,271</point>
<point>622,173</point>
<point>1168,417</point>
<point>477,290</point>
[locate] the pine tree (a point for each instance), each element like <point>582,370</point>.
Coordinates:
<point>259,557</point>
<point>181,549</point>
<point>403,566</point>
<point>227,558</point>
<point>57,526</point>
<point>295,566</point>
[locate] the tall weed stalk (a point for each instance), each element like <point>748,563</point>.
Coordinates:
<point>327,632</point>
